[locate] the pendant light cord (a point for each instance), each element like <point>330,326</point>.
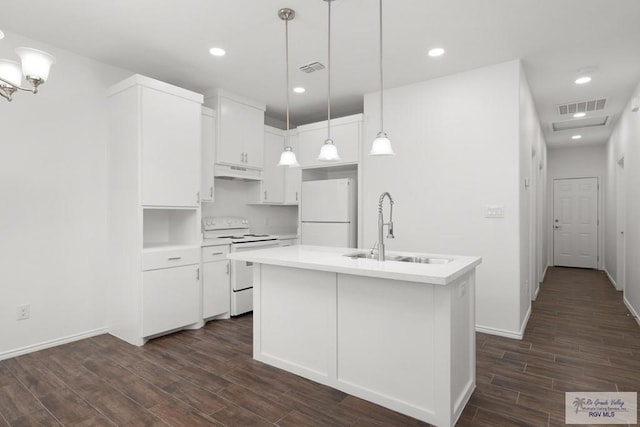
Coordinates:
<point>329,74</point>
<point>381,91</point>
<point>286,33</point>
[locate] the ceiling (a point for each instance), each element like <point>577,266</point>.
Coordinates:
<point>169,40</point>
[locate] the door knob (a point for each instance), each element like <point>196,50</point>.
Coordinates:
<point>556,226</point>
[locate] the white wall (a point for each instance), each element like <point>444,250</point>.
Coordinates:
<point>457,150</point>
<point>577,162</point>
<point>230,200</point>
<point>625,143</point>
<point>53,187</point>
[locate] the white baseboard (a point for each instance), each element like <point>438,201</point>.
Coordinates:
<point>631,309</point>
<point>613,282</point>
<point>499,332</point>
<point>52,343</point>
<point>544,273</point>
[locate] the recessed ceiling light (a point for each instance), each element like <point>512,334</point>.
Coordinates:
<point>1,35</point>
<point>299,89</point>
<point>578,115</point>
<point>436,51</point>
<point>583,80</point>
<point>576,137</point>
<point>217,51</point>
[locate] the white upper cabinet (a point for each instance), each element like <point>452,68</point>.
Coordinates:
<point>280,185</point>
<point>240,131</point>
<point>346,133</point>
<point>292,176</point>
<point>208,153</point>
<point>170,149</point>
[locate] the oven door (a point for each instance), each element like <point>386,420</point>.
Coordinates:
<point>242,271</point>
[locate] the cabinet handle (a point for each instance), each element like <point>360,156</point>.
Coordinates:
<point>216,253</point>
<point>198,197</point>
<point>211,192</point>
<point>241,157</point>
<point>197,274</point>
<point>246,157</point>
<point>265,194</point>
<point>296,196</point>
<point>174,258</point>
<point>227,269</point>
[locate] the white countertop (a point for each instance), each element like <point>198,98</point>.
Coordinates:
<point>325,258</point>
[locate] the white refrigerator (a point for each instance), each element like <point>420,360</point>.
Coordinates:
<point>328,212</point>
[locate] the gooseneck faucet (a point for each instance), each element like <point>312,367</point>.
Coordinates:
<point>381,224</point>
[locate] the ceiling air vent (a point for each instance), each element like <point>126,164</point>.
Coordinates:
<point>310,68</point>
<point>582,106</point>
<point>580,123</point>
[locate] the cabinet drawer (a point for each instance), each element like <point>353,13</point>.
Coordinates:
<point>214,253</point>
<point>170,258</point>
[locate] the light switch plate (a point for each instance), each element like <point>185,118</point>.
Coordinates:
<point>494,211</point>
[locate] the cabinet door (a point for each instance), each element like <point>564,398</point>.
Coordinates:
<point>231,122</point>
<point>345,136</point>
<point>208,154</point>
<point>273,182</point>
<point>171,299</point>
<point>170,149</point>
<point>292,176</point>
<point>216,289</point>
<point>253,137</point>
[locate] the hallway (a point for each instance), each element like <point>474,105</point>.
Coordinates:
<point>579,338</point>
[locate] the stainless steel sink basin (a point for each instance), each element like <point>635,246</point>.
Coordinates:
<point>424,260</point>
<point>369,255</point>
<point>400,258</point>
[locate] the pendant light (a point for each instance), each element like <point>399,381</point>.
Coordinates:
<point>381,145</point>
<point>288,157</point>
<point>329,151</point>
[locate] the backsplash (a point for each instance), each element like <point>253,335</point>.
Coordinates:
<point>230,199</point>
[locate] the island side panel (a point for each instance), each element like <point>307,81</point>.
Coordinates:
<point>387,345</point>
<point>463,336</point>
<point>295,321</point>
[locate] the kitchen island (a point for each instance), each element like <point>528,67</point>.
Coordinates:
<point>397,333</point>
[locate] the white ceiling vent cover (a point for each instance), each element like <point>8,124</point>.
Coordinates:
<point>310,68</point>
<point>580,123</point>
<point>582,106</point>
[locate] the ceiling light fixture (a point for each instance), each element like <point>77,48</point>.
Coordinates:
<point>578,115</point>
<point>35,68</point>
<point>299,90</point>
<point>1,35</point>
<point>217,51</point>
<point>576,137</point>
<point>436,51</point>
<point>381,145</point>
<point>328,151</point>
<point>288,157</point>
<point>582,80</point>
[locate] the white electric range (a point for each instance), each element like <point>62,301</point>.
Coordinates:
<point>236,232</point>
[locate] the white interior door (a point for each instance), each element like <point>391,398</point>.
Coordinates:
<point>575,222</point>
<point>620,220</point>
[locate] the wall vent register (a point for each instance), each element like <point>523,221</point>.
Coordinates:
<point>582,106</point>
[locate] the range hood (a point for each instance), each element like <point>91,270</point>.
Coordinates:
<point>237,172</point>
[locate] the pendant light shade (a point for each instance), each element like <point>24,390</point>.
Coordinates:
<point>288,157</point>
<point>328,151</point>
<point>10,72</point>
<point>35,63</point>
<point>381,145</point>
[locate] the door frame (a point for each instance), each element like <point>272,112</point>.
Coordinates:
<point>600,227</point>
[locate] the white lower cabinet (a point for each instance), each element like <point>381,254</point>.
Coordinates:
<point>171,298</point>
<point>216,287</point>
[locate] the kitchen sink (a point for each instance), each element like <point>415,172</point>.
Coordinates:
<point>423,260</point>
<point>400,258</point>
<point>369,255</point>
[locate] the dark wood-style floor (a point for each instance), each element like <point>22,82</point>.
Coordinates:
<point>579,338</point>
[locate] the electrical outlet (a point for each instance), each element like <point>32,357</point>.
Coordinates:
<point>24,311</point>
<point>494,211</point>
